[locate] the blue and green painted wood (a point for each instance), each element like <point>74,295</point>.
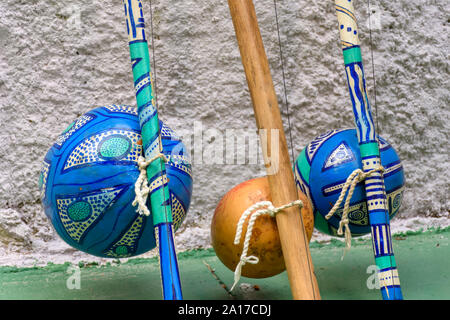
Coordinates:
<point>151,140</point>
<point>370,153</point>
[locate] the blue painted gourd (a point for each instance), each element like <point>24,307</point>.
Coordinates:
<point>88,177</point>
<point>322,168</point>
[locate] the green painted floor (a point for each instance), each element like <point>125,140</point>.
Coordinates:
<point>423,260</point>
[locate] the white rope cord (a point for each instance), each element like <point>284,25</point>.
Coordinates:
<point>141,187</point>
<point>263,208</point>
<point>353,179</point>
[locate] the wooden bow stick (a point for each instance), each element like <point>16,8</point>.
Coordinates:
<point>281,179</point>
<point>151,139</point>
<point>370,153</point>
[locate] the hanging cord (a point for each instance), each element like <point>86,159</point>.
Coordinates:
<point>141,187</point>
<point>263,208</point>
<point>353,179</point>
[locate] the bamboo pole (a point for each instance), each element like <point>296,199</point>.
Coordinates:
<point>281,179</point>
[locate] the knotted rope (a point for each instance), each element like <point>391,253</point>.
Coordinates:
<point>353,179</point>
<point>141,187</point>
<point>263,208</point>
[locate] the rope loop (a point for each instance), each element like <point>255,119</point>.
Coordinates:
<point>262,208</point>
<point>141,187</point>
<point>353,179</point>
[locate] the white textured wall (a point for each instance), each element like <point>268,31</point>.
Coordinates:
<point>58,59</point>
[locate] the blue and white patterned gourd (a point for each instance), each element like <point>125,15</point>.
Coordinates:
<point>88,177</point>
<point>322,168</point>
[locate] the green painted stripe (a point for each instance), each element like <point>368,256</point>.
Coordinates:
<point>160,217</point>
<point>161,210</point>
<point>305,168</point>
<point>140,50</point>
<point>352,55</point>
<point>369,149</point>
<point>385,262</point>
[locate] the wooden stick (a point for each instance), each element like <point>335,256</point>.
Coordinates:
<point>281,179</point>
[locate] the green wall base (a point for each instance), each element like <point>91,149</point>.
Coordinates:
<point>423,262</point>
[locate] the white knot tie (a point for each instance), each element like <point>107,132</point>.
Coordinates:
<point>141,187</point>
<point>263,208</point>
<point>353,179</point>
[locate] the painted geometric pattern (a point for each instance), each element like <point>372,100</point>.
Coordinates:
<point>347,23</point>
<point>374,189</point>
<point>178,212</point>
<point>43,177</point>
<point>378,202</point>
<point>340,155</point>
<point>127,244</point>
<point>78,214</point>
<point>361,108</point>
<point>76,125</point>
<point>383,144</point>
<point>121,109</point>
<point>376,195</point>
<point>392,169</point>
<point>166,132</point>
<point>145,81</point>
<point>395,200</point>
<point>329,190</point>
<point>381,240</point>
<point>158,182</point>
<point>152,149</point>
<point>313,147</point>
<point>335,188</point>
<point>180,162</point>
<point>110,145</point>
<point>389,278</point>
<point>357,215</point>
<point>146,114</point>
<point>135,20</point>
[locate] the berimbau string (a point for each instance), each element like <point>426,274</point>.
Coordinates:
<point>155,82</point>
<point>152,145</point>
<point>154,56</point>
<point>369,10</point>
<point>284,81</point>
<point>288,117</point>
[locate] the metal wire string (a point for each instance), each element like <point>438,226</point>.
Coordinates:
<point>290,130</point>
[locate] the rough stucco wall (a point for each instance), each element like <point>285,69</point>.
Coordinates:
<point>58,59</point>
